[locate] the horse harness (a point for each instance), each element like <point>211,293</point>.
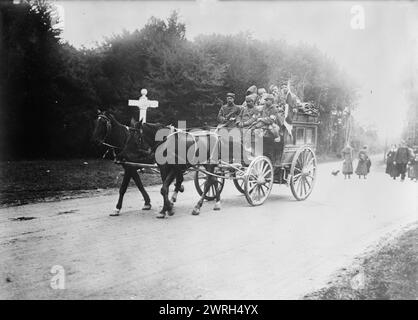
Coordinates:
<point>108,129</point>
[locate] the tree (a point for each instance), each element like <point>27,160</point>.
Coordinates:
<point>30,65</point>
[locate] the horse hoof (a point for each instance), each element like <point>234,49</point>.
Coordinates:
<point>217,206</point>
<point>173,200</point>
<point>115,213</point>
<point>181,189</point>
<point>170,212</point>
<point>195,212</point>
<point>146,207</point>
<point>161,216</point>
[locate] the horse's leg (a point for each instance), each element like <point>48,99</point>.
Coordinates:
<point>196,209</point>
<point>178,187</point>
<point>217,206</point>
<point>168,206</point>
<point>138,182</point>
<point>122,190</point>
<point>163,173</point>
<point>206,187</point>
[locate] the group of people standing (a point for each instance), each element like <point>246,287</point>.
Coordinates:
<point>363,165</point>
<point>401,161</point>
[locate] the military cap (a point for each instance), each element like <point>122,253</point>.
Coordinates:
<point>252,89</point>
<point>262,91</point>
<point>250,97</point>
<point>269,97</point>
<point>229,94</point>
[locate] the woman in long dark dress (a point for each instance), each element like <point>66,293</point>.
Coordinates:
<point>347,154</point>
<point>363,163</point>
<point>390,166</point>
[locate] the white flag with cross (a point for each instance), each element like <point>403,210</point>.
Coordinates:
<point>143,104</point>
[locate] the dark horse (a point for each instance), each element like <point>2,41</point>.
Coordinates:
<point>109,132</point>
<point>142,137</point>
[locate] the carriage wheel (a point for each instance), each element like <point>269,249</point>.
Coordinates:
<point>239,183</point>
<point>303,173</point>
<point>200,179</point>
<point>258,180</point>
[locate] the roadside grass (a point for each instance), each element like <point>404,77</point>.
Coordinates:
<point>24,182</point>
<point>389,273</point>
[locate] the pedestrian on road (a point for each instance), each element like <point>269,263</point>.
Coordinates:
<point>347,154</point>
<point>390,167</point>
<point>413,167</point>
<point>363,165</point>
<point>403,157</point>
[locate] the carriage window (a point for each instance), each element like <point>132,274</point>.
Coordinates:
<point>310,139</point>
<point>288,139</point>
<point>300,137</point>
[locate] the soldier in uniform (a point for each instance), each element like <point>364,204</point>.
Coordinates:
<point>249,114</point>
<point>229,112</point>
<point>271,121</point>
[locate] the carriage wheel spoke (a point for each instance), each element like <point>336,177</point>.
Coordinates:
<point>301,188</point>
<point>310,176</point>
<point>309,157</point>
<point>267,176</point>
<point>310,164</point>
<point>255,194</point>
<point>202,186</point>
<point>297,180</point>
<point>298,187</point>
<point>297,176</point>
<point>259,191</point>
<point>262,190</point>
<point>304,186</point>
<point>252,187</point>
<point>308,183</point>
<point>265,188</point>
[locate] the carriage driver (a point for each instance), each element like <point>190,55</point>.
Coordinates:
<point>228,114</point>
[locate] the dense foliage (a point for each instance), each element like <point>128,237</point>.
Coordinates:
<point>50,91</point>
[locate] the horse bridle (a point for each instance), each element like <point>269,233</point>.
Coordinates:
<point>108,129</point>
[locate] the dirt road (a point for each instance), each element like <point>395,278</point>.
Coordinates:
<point>282,249</point>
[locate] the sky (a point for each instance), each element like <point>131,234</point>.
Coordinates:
<point>374,42</point>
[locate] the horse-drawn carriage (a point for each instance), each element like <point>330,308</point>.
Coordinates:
<point>295,167</point>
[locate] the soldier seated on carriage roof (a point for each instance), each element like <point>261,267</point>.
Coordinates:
<point>229,112</point>
<point>262,94</point>
<point>249,114</point>
<point>269,124</point>
<point>270,120</point>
